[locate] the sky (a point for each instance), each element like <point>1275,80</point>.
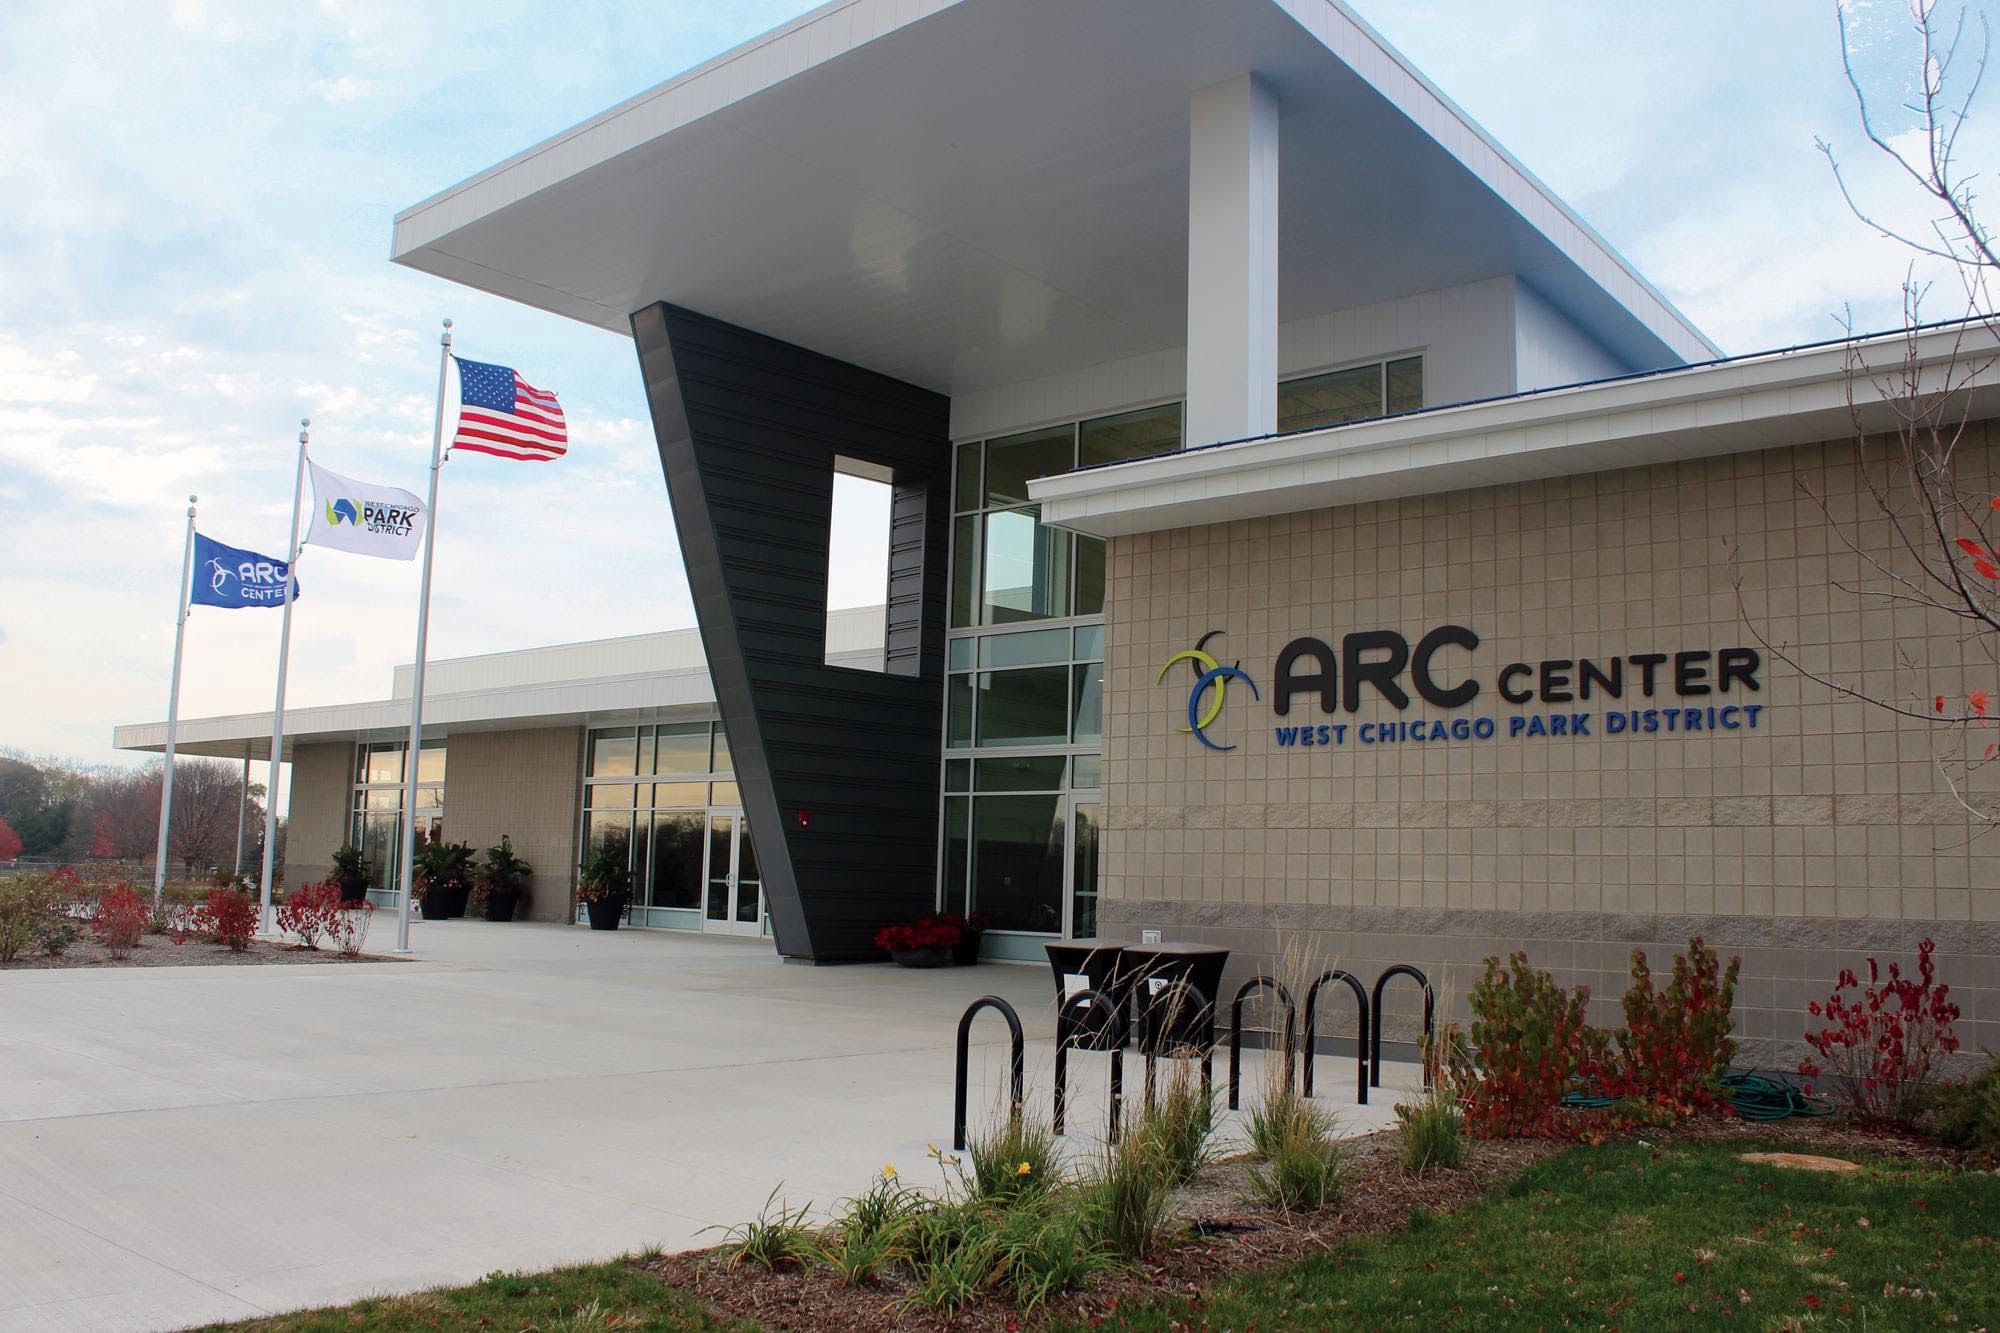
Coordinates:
<point>193,255</point>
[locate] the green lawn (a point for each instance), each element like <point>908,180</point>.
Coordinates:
<point>1639,1238</point>
<point>589,1298</point>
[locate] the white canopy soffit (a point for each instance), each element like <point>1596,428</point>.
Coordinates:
<point>1805,396</point>
<point>976,193</point>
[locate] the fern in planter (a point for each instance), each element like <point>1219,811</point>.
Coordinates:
<point>443,878</point>
<point>502,889</point>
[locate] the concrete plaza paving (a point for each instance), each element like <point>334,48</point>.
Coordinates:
<point>179,1145</point>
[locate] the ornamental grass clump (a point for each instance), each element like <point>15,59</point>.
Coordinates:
<point>777,1238</point>
<point>1017,1157</point>
<point>1130,1196</point>
<point>1181,1122</point>
<point>1300,1161</point>
<point>870,1233</point>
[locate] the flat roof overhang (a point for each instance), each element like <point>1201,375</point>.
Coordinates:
<point>976,193</point>
<point>1803,396</point>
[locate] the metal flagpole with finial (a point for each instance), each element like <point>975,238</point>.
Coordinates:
<point>406,863</point>
<point>265,924</point>
<point>173,708</point>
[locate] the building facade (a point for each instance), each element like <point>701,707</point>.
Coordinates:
<point>1307,535</point>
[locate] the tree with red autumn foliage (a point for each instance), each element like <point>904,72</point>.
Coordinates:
<point>10,842</point>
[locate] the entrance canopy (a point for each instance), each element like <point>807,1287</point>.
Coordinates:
<point>975,194</point>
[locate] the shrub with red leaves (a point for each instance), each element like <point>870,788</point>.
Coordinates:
<point>1675,1045</point>
<point>1534,1045</point>
<point>311,912</point>
<point>230,918</point>
<point>350,927</point>
<point>1884,1044</point>
<point>121,919</point>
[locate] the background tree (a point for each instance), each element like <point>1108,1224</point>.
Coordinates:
<point>202,825</point>
<point>1919,539</point>
<point>10,842</point>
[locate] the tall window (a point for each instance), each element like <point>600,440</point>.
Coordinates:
<point>377,827</point>
<point>646,795</point>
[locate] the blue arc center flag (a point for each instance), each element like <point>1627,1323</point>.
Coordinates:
<point>364,518</point>
<point>230,577</point>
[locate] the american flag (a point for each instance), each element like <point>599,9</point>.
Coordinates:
<point>501,413</point>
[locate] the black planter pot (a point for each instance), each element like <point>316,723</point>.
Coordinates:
<point>443,902</point>
<point>353,892</point>
<point>501,904</point>
<point>922,957</point>
<point>966,952</point>
<point>605,911</point>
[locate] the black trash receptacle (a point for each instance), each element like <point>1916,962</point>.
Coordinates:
<point>1168,1019</point>
<point>1088,964</point>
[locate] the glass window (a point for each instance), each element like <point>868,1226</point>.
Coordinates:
<point>725,793</point>
<point>384,798</point>
<point>722,761</point>
<point>957,850</point>
<point>1089,643</point>
<point>964,561</point>
<point>959,654</point>
<point>1042,645</point>
<point>683,748</point>
<point>614,753</point>
<point>958,775</point>
<point>684,795</point>
<point>1089,576</point>
<point>1150,430</point>
<point>1086,772</point>
<point>967,490</point>
<point>677,848</point>
<point>610,796</point>
<point>379,847</point>
<point>1083,888</point>
<point>609,829</point>
<point>1017,861</point>
<point>958,711</point>
<point>384,764</point>
<point>1026,569</point>
<point>1088,701</point>
<point>1330,399</point>
<point>1041,772</point>
<point>430,762</point>
<point>1406,384</point>
<point>645,764</point>
<point>1013,462</point>
<point>1027,707</point>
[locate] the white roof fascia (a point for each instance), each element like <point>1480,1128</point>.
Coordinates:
<point>1761,402</point>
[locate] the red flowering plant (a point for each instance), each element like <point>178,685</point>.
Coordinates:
<point>922,934</point>
<point>120,920</point>
<point>1884,1044</point>
<point>309,912</point>
<point>1675,1045</point>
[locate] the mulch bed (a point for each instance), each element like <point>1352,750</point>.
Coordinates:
<point>1223,1235</point>
<point>159,951</point>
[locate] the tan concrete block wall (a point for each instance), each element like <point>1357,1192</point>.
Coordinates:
<point>322,801</point>
<point>527,785</point>
<point>1827,832</point>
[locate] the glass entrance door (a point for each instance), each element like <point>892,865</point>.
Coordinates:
<point>1086,813</point>
<point>734,904</point>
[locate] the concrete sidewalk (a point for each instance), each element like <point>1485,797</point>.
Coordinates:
<point>180,1145</point>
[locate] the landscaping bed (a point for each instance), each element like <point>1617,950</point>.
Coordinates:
<point>160,951</point>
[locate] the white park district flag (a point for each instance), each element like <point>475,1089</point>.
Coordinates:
<point>353,516</point>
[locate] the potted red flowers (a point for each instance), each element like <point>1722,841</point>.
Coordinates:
<point>971,930</point>
<point>927,943</point>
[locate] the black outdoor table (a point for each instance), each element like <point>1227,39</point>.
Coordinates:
<point>1088,964</point>
<point>1171,1019</point>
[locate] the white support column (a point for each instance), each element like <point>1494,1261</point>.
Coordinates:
<point>1232,346</point>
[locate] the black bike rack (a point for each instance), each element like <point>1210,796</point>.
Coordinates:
<point>1360,1031</point>
<point>1430,1019</point>
<point>1017,1058</point>
<point>1068,1032</point>
<point>1177,992</point>
<point>1236,1030</point>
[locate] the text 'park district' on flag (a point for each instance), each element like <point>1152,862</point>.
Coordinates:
<point>502,414</point>
<point>355,516</point>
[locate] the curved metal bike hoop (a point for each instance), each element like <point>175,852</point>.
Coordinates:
<point>1167,1000</point>
<point>1017,1058</point>
<point>1375,1032</point>
<point>1360,1031</point>
<point>1236,1030</point>
<point>1068,1029</point>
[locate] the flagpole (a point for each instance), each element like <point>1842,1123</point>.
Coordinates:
<point>173,708</point>
<point>406,864</point>
<point>265,924</point>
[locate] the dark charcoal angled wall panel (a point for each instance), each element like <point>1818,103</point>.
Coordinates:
<point>748,429</point>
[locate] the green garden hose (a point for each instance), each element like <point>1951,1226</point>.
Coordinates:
<point>1754,1097</point>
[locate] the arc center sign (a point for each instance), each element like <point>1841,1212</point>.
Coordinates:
<point>1687,692</point>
